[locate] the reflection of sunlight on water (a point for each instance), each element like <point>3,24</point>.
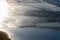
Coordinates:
<point>3,11</point>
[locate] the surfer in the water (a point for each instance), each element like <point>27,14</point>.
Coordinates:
<point>4,36</point>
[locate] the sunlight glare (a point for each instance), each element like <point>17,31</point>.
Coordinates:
<point>3,10</point>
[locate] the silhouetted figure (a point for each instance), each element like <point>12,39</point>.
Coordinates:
<point>4,36</point>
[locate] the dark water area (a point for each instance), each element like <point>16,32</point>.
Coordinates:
<point>34,34</point>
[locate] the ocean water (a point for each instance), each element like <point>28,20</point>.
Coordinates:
<point>34,33</point>
<point>32,20</point>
